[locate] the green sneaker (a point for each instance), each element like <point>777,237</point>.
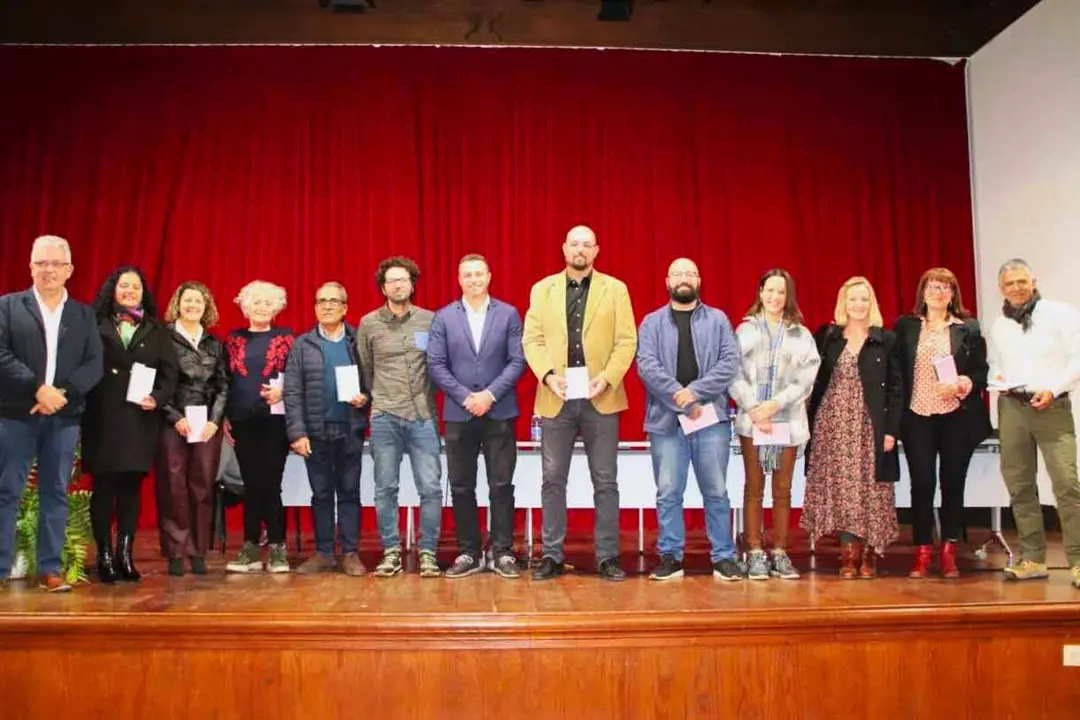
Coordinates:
<point>1026,570</point>
<point>247,560</point>
<point>390,565</point>
<point>428,567</point>
<point>278,562</point>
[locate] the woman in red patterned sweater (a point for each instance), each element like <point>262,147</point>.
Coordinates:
<point>256,418</point>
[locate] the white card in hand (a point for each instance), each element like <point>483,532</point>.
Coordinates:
<point>347,378</point>
<point>277,408</point>
<point>141,383</point>
<point>945,366</point>
<point>196,420</point>
<point>707,418</point>
<point>577,383</point>
<point>780,434</point>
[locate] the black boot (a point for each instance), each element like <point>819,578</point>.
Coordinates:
<point>124,564</point>
<point>106,563</point>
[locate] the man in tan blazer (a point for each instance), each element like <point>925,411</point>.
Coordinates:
<point>580,318</point>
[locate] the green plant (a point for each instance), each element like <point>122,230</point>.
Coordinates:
<point>77,537</point>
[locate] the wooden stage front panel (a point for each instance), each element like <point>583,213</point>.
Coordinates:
<point>483,647</point>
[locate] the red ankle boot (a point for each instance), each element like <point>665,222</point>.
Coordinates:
<point>922,562</point>
<point>948,561</point>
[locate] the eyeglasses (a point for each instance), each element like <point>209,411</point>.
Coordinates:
<point>330,302</point>
<point>689,275</point>
<point>580,245</point>
<point>49,264</point>
<point>938,288</point>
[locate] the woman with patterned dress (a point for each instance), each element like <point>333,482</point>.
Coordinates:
<point>943,358</point>
<point>779,364</point>
<point>256,422</point>
<point>852,463</point>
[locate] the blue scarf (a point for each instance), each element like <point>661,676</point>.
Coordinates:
<point>768,455</point>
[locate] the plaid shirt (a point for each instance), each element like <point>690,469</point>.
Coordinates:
<point>799,361</point>
<point>393,362</point>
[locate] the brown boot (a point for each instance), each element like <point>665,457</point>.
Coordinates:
<point>850,553</point>
<point>868,569</point>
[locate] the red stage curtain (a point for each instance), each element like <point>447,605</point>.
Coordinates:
<point>304,164</point>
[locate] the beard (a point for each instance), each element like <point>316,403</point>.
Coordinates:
<point>683,294</point>
<point>579,263</point>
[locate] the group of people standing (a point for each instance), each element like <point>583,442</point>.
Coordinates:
<point>164,394</point>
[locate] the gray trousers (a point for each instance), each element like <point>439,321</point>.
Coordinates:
<point>600,434</point>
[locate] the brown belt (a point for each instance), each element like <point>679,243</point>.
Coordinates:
<point>1028,396</point>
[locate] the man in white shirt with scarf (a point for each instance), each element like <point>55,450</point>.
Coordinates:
<point>1034,350</point>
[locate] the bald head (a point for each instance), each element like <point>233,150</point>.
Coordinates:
<point>683,282</point>
<point>580,249</point>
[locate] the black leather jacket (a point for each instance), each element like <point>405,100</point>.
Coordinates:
<point>203,378</point>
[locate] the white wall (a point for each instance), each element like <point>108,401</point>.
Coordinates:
<point>1024,115</point>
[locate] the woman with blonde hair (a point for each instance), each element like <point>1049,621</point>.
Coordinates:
<point>187,465</point>
<point>256,419</point>
<point>779,364</point>
<point>852,464</point>
<point>943,357</point>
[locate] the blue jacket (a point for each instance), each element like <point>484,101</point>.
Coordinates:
<point>79,364</point>
<point>303,388</point>
<point>718,359</point>
<point>458,368</point>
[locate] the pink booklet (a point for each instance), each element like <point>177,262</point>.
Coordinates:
<point>946,370</point>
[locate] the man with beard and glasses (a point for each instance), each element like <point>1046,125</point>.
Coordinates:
<point>1034,351</point>
<point>391,345</point>
<point>579,339</point>
<point>687,358</point>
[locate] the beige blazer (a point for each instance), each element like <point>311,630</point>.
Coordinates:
<point>609,335</point>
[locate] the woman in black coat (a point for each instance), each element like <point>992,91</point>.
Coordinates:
<point>943,358</point>
<point>852,464</point>
<point>120,437</point>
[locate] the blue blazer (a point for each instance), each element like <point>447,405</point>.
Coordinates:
<point>459,368</point>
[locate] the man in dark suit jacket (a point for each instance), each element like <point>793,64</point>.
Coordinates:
<point>475,357</point>
<point>50,359</point>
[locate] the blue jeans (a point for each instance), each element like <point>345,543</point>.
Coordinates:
<point>709,450</point>
<point>391,438</point>
<point>333,469</point>
<point>52,440</point>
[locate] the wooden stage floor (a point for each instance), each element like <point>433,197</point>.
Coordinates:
<point>294,646</point>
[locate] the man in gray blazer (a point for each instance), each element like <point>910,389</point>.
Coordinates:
<point>475,357</point>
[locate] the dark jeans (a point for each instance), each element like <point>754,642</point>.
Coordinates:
<point>925,438</point>
<point>52,440</point>
<point>333,470</point>
<point>115,495</point>
<point>464,441</point>
<point>261,449</point>
<point>185,493</point>
<point>600,434</point>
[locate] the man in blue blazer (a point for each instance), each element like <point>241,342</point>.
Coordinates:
<point>475,357</point>
<point>50,359</point>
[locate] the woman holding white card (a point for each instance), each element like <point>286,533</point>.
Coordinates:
<point>256,420</point>
<point>779,364</point>
<point>943,357</point>
<point>124,414</point>
<point>855,408</point>
<point>190,442</point>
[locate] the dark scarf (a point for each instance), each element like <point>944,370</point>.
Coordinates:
<point>1022,313</point>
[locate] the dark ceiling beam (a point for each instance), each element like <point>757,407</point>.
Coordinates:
<point>938,28</point>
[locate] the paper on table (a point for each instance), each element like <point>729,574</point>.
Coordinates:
<point>277,408</point>
<point>780,434</point>
<point>946,370</point>
<point>196,420</point>
<point>347,378</point>
<point>707,418</point>
<point>141,382</point>
<point>577,383</point>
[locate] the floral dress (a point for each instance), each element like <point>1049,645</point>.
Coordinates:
<point>842,492</point>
